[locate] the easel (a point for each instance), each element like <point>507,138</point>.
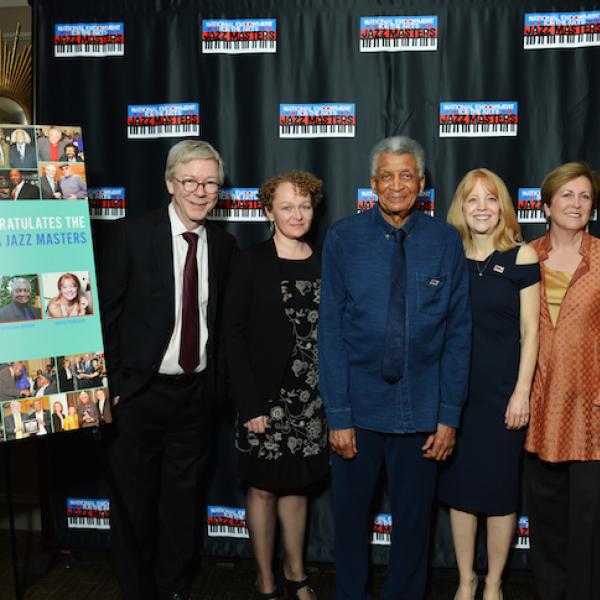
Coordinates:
<point>19,589</point>
<point>39,564</point>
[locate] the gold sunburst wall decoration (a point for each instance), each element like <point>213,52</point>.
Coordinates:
<point>16,72</point>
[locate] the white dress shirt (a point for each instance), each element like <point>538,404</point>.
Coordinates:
<point>170,362</point>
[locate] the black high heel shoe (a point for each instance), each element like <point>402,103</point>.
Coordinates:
<point>274,595</point>
<point>291,588</point>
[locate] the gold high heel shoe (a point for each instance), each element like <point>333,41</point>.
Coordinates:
<point>474,583</point>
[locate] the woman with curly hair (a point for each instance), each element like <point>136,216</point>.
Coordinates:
<point>271,313</point>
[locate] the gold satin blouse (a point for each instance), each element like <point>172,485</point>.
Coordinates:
<point>557,283</point>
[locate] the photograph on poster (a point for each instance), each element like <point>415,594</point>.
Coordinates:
<point>59,144</point>
<point>74,297</point>
<point>19,298</point>
<point>27,417</point>
<point>72,182</point>
<point>26,378</point>
<point>19,184</point>
<point>86,408</point>
<point>102,401</point>
<point>38,420</point>
<point>21,153</point>
<point>81,371</point>
<point>60,410</point>
<point>63,181</point>
<point>14,415</point>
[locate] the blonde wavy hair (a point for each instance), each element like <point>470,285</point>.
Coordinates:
<point>508,231</point>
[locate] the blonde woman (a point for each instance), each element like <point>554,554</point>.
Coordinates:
<point>483,476</point>
<point>70,301</point>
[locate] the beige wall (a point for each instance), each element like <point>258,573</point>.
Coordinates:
<point>10,16</point>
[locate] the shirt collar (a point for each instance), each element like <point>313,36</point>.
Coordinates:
<point>545,245</point>
<point>178,228</point>
<point>388,229</point>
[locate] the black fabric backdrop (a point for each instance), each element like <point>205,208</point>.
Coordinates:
<point>480,57</point>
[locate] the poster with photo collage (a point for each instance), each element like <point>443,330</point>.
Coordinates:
<point>53,374</point>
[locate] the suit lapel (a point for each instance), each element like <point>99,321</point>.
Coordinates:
<point>212,245</point>
<point>163,257</point>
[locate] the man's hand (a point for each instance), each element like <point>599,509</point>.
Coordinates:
<point>439,445</point>
<point>256,425</point>
<point>343,442</point>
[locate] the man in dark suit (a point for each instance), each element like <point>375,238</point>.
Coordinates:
<point>14,422</point>
<point>66,376</point>
<point>20,308</point>
<point>9,373</point>
<point>162,303</point>
<point>22,153</point>
<point>21,189</point>
<point>41,415</point>
<point>46,385</point>
<point>50,187</point>
<point>71,154</point>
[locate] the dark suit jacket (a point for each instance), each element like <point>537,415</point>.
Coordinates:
<point>47,190</point>
<point>8,387</point>
<point>47,419</point>
<point>29,192</point>
<point>258,335</point>
<point>65,158</point>
<point>66,384</point>
<point>137,292</point>
<point>9,426</point>
<point>12,312</point>
<point>29,160</point>
<point>43,145</point>
<point>56,423</point>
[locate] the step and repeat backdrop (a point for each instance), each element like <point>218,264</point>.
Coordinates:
<point>312,85</point>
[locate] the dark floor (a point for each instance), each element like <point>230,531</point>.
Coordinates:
<point>88,575</point>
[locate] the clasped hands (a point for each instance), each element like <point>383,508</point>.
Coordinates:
<point>437,446</point>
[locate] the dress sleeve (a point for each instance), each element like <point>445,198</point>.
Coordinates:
<point>527,275</point>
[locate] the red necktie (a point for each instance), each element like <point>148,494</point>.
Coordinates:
<point>189,353</point>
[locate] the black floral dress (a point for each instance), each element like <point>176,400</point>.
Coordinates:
<point>292,453</point>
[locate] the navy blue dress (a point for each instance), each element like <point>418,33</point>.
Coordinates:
<point>483,473</point>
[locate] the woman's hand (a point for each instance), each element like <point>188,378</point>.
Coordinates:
<point>257,425</point>
<point>517,411</point>
<point>83,304</point>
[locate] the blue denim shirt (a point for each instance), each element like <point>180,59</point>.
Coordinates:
<point>356,277</point>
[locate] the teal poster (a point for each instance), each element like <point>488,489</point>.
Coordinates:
<point>52,370</point>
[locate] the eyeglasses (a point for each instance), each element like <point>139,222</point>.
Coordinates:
<point>191,185</point>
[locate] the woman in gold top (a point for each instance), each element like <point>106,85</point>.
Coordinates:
<point>563,441</point>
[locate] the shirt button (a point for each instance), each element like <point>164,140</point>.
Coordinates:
<point>387,236</point>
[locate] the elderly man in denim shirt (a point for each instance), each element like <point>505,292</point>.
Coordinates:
<point>394,345</point>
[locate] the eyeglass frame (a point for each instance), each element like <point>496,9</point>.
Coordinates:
<point>183,183</point>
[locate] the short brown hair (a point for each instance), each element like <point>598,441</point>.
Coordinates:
<point>565,173</point>
<point>306,184</point>
<point>508,231</point>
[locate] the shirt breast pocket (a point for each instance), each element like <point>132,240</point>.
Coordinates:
<point>433,293</point>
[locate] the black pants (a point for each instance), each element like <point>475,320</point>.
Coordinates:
<point>564,527</point>
<point>157,459</point>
